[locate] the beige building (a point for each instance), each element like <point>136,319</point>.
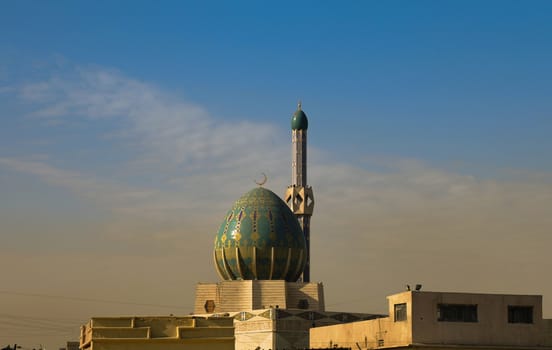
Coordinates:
<point>443,320</point>
<point>228,296</point>
<point>163,332</point>
<point>270,314</point>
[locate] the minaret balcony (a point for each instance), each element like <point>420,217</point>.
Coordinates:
<point>300,199</point>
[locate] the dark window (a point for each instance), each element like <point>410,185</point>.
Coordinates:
<point>303,304</point>
<point>400,312</point>
<point>520,314</point>
<point>456,313</point>
<point>209,306</point>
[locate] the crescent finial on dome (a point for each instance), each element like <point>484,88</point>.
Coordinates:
<point>263,181</point>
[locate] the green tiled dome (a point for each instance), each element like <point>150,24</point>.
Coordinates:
<point>260,238</point>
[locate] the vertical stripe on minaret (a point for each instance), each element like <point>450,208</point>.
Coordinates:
<point>299,195</point>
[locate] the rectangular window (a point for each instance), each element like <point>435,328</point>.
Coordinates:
<point>456,313</point>
<point>520,314</point>
<point>400,312</point>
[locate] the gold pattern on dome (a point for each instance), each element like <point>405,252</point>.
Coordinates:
<point>236,235</point>
<point>289,237</point>
<point>241,214</point>
<point>260,227</point>
<point>255,236</point>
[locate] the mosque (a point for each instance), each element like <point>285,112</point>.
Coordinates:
<point>266,299</point>
<point>262,255</point>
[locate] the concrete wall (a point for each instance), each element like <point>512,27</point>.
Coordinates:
<point>231,296</point>
<point>279,329</point>
<point>147,333</point>
<point>547,325</point>
<point>364,334</point>
<point>268,293</point>
<point>379,332</point>
<point>422,327</point>
<point>313,293</point>
<point>158,344</point>
<point>491,328</point>
<point>204,292</point>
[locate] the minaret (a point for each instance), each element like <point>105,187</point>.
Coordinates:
<point>299,196</point>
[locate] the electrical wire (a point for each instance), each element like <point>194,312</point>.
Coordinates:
<point>88,300</point>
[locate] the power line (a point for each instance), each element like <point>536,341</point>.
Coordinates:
<point>41,319</point>
<point>33,325</point>
<point>88,300</point>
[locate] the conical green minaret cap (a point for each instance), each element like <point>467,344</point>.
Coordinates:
<point>299,119</point>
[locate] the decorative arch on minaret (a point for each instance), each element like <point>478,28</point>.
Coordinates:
<point>300,199</point>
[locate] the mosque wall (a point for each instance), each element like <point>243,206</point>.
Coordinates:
<point>276,328</point>
<point>309,296</point>
<point>269,294</point>
<point>167,332</point>
<point>234,295</point>
<point>263,338</point>
<point>156,345</point>
<point>231,296</point>
<point>204,293</point>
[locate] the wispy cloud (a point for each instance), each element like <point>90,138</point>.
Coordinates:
<point>384,220</point>
<point>81,184</point>
<point>207,162</point>
<point>198,161</point>
<point>168,128</point>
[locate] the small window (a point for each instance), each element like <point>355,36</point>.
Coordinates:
<point>520,314</point>
<point>209,306</point>
<point>400,312</point>
<point>456,313</point>
<point>303,304</point>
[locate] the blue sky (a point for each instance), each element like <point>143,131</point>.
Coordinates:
<point>407,76</point>
<point>130,127</point>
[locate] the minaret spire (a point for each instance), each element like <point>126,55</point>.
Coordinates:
<point>299,195</point>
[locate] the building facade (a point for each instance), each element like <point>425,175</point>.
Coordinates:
<point>270,314</point>
<point>163,332</point>
<point>442,320</point>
